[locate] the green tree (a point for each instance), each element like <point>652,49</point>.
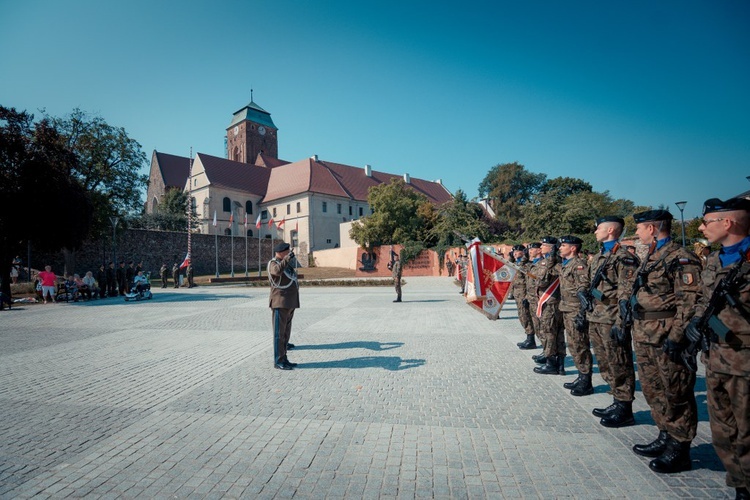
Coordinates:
<point>108,166</point>
<point>508,187</point>
<point>546,213</point>
<point>170,214</point>
<point>39,201</point>
<point>399,215</point>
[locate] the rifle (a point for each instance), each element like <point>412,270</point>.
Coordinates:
<point>623,335</point>
<point>699,329</point>
<point>586,296</point>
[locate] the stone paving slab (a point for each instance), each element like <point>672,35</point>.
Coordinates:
<point>177,398</point>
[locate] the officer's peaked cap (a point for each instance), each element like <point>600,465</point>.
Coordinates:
<point>549,240</point>
<point>610,218</point>
<point>571,240</point>
<point>281,247</point>
<point>716,205</point>
<point>652,216</point>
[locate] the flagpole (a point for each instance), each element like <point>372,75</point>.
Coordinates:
<point>246,275</point>
<point>216,243</point>
<point>259,272</point>
<point>190,206</point>
<point>231,233</point>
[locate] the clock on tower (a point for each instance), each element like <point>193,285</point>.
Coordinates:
<point>251,132</point>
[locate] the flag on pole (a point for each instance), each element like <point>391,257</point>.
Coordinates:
<point>270,223</point>
<point>548,294</point>
<point>245,221</point>
<point>214,224</point>
<point>257,222</point>
<point>231,219</point>
<point>488,281</point>
<point>281,223</point>
<point>185,262</point>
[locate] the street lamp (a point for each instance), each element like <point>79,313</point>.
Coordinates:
<point>113,219</point>
<point>681,206</point>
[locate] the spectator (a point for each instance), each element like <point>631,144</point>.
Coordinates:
<point>140,282</point>
<point>101,281</point>
<point>90,283</point>
<point>14,274</point>
<point>71,287</point>
<point>49,281</point>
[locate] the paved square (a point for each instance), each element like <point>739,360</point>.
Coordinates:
<point>177,397</point>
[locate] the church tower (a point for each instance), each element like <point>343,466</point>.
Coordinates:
<point>251,131</point>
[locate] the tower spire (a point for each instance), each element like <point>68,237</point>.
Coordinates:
<point>251,94</point>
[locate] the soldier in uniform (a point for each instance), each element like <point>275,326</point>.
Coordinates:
<point>519,295</point>
<point>164,273</point>
<point>535,255</point>
<point>728,360</point>
<point>662,302</point>
<point>176,275</point>
<point>101,278</point>
<point>611,272</point>
<point>284,299</point>
<point>122,284</point>
<point>546,282</point>
<point>111,280</point>
<point>463,268</point>
<point>189,274</point>
<point>130,275</point>
<point>395,267</point>
<point>574,279</point>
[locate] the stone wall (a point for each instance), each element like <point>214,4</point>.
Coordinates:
<point>155,247</point>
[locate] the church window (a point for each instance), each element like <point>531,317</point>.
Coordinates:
<point>154,204</point>
<point>295,239</point>
<point>250,233</point>
<point>338,208</point>
<point>249,207</point>
<point>227,232</point>
<point>288,209</point>
<point>264,215</point>
<point>350,210</point>
<point>193,203</point>
<point>236,154</point>
<point>227,203</point>
<point>325,206</point>
<point>360,211</point>
<point>274,212</point>
<point>299,207</point>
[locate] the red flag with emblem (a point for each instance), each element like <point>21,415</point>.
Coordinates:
<point>488,281</point>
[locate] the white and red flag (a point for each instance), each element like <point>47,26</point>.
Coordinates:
<point>185,262</point>
<point>488,281</point>
<point>231,219</point>
<point>548,294</point>
<point>257,222</point>
<point>245,221</point>
<point>281,223</point>
<point>214,223</point>
<point>270,223</point>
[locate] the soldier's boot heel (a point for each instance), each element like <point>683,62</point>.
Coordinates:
<point>584,387</point>
<point>550,368</point>
<point>676,458</point>
<point>654,448</point>
<point>573,384</point>
<point>529,343</point>
<point>561,365</point>
<point>621,416</point>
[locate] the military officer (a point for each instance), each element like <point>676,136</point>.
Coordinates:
<point>574,279</point>
<point>519,295</point>
<point>535,255</point>
<point>463,268</point>
<point>176,275</point>
<point>283,300</point>
<point>189,274</point>
<point>163,272</point>
<point>611,273</point>
<point>728,360</point>
<point>662,302</point>
<point>547,283</point>
<point>395,267</point>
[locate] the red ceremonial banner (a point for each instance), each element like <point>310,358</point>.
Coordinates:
<point>488,281</point>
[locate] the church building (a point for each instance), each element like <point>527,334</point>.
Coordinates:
<point>302,202</point>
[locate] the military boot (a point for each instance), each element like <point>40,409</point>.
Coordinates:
<point>584,387</point>
<point>561,365</point>
<point>742,494</point>
<point>529,343</point>
<point>539,358</point>
<point>550,368</point>
<point>603,412</point>
<point>654,448</point>
<point>676,458</point>
<point>621,416</point>
<point>573,384</point>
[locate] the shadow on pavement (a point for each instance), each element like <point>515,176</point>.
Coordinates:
<point>371,345</point>
<point>158,297</point>
<point>391,363</point>
<point>704,457</point>
<point>426,300</point>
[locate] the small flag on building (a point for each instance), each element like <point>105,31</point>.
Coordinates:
<point>281,223</point>
<point>257,222</point>
<point>214,218</point>
<point>270,223</point>
<point>185,262</point>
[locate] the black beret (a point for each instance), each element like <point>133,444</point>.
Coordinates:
<point>281,247</point>
<point>652,216</point>
<point>716,205</point>
<point>549,240</point>
<point>518,248</point>
<point>536,244</point>
<point>571,240</point>
<point>610,218</point>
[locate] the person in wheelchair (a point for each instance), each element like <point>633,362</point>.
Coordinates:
<point>140,283</point>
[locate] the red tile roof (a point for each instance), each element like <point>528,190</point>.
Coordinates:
<point>263,160</point>
<point>235,175</point>
<point>174,169</point>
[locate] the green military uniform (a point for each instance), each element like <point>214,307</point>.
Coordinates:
<point>396,273</point>
<point>664,301</point>
<point>522,302</point>
<point>283,300</point>
<point>532,296</point>
<point>574,278</point>
<point>546,284</point>
<point>163,272</point>
<point>176,275</point>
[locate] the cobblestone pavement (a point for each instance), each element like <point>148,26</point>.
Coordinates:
<point>177,397</point>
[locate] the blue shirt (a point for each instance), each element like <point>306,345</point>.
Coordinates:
<point>733,253</point>
<point>607,246</point>
<point>661,243</point>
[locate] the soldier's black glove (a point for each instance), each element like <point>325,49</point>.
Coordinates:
<point>580,322</point>
<point>586,304</point>
<point>291,254</point>
<point>624,307</point>
<point>619,335</point>
<point>673,350</point>
<point>692,333</point>
<point>525,303</point>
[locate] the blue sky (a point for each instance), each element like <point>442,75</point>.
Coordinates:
<point>648,100</point>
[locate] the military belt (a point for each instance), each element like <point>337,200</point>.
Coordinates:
<point>654,314</point>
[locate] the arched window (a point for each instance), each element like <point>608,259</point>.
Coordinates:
<point>248,207</point>
<point>193,203</point>
<point>250,233</point>
<point>227,232</point>
<point>236,154</point>
<point>227,205</point>
<point>154,205</point>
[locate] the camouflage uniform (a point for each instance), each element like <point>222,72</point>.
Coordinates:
<point>574,278</point>
<point>550,320</point>
<point>396,273</point>
<point>728,377</point>
<point>534,268</point>
<point>665,304</point>
<point>615,361</point>
<point>519,294</point>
